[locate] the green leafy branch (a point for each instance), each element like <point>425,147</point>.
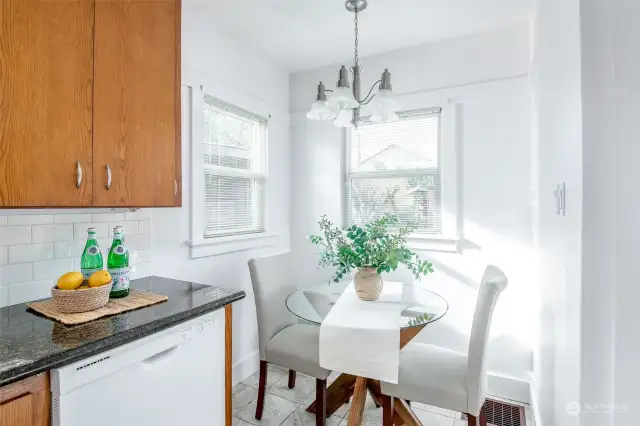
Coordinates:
<point>370,246</point>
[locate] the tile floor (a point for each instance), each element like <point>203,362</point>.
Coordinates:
<point>286,407</point>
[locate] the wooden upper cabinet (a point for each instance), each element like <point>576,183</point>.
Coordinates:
<point>26,403</point>
<point>46,71</point>
<point>137,103</point>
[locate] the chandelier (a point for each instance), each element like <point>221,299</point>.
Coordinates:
<point>344,103</point>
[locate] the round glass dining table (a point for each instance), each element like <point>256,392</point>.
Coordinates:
<point>313,304</point>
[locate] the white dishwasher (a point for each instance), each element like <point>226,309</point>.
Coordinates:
<point>173,377</point>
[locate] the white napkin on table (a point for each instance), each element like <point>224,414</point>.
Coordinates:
<point>363,338</point>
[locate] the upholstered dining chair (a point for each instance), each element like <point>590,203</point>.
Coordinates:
<point>445,378</point>
<point>282,340</point>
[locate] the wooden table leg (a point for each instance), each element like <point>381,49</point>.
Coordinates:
<point>228,318</point>
<point>388,412</point>
<point>375,391</point>
<point>404,414</point>
<point>338,394</point>
<point>357,404</point>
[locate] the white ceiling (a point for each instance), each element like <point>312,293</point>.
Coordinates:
<point>305,34</point>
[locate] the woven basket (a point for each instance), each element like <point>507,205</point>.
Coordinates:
<point>81,300</point>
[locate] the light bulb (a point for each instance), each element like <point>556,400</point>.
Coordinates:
<point>320,111</point>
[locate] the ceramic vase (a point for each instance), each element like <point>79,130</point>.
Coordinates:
<point>368,284</point>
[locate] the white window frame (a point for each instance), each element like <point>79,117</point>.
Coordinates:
<point>199,245</point>
<point>448,148</point>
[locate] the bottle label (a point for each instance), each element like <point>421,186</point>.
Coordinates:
<point>92,251</point>
<point>87,272</point>
<point>120,249</point>
<point>120,278</point>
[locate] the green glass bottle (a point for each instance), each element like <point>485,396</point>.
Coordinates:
<point>91,260</point>
<point>118,265</point>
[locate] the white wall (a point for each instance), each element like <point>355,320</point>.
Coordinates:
<point>611,99</point>
<point>231,71</point>
<point>486,76</point>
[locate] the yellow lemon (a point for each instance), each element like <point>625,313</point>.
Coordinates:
<point>99,278</point>
<point>70,281</point>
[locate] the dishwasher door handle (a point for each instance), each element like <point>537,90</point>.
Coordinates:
<point>160,356</point>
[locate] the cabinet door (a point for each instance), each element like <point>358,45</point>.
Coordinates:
<point>46,74</point>
<point>137,103</point>
<point>26,403</point>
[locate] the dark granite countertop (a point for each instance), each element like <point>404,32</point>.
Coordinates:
<point>31,343</point>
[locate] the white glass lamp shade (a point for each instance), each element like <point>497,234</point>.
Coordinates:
<point>386,99</point>
<point>320,111</point>
<point>344,118</point>
<point>383,115</point>
<point>342,98</point>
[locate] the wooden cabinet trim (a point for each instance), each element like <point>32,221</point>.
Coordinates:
<point>33,384</point>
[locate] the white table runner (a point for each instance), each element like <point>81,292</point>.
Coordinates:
<point>363,338</point>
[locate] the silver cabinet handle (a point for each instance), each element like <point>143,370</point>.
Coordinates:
<point>108,185</point>
<point>78,174</point>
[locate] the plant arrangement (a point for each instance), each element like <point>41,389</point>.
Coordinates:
<point>373,246</point>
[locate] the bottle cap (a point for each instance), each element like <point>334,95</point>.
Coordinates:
<point>91,230</point>
<point>117,229</point>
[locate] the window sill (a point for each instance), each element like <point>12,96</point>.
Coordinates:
<point>434,243</point>
<point>230,244</point>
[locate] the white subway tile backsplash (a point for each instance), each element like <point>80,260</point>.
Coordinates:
<point>80,230</point>
<point>30,291</point>
<point>4,256</point>
<point>4,296</point>
<point>30,253</point>
<point>72,218</point>
<point>28,219</point>
<point>10,235</point>
<point>63,249</point>
<point>129,228</point>
<point>77,263</point>
<point>139,256</point>
<point>107,217</point>
<point>46,233</point>
<point>105,245</point>
<point>13,274</point>
<point>138,242</point>
<point>137,215</point>
<point>144,226</point>
<point>40,245</point>
<point>52,268</point>
<point>141,270</point>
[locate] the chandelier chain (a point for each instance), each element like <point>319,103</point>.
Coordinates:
<point>356,38</point>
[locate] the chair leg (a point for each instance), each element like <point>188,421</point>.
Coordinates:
<point>483,417</point>
<point>387,410</point>
<point>321,402</point>
<point>292,379</point>
<point>472,420</point>
<point>262,387</point>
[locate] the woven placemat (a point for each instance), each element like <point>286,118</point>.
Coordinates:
<point>135,300</point>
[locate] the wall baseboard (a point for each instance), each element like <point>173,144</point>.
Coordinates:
<point>245,367</point>
<point>509,388</point>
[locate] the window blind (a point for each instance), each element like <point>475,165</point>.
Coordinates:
<point>394,168</point>
<point>234,169</point>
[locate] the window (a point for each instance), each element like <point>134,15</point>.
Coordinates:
<point>234,170</point>
<point>395,168</point>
